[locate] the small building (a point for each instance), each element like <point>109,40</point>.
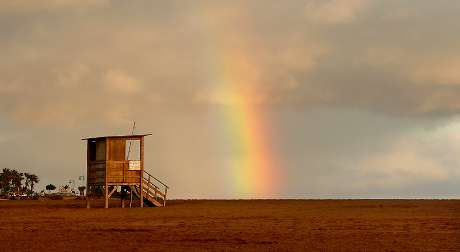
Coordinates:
<point>116,163</point>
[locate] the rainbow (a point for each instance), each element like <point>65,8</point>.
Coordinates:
<point>254,168</point>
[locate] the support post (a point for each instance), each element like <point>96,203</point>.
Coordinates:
<point>122,195</point>
<point>88,189</point>
<point>142,172</point>
<point>106,196</point>
<point>107,147</point>
<point>131,197</point>
<point>142,196</point>
<point>164,200</point>
<point>88,203</point>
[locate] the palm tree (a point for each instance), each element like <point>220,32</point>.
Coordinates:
<point>16,181</point>
<point>5,180</point>
<point>11,182</point>
<point>33,179</point>
<point>26,183</point>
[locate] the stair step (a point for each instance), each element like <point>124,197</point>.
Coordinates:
<point>147,196</point>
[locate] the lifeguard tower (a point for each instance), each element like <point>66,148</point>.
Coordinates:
<point>116,163</point>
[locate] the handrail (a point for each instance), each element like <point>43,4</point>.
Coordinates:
<point>155,188</point>
<point>156,179</point>
<point>151,184</point>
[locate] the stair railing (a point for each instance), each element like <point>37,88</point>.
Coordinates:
<point>159,190</point>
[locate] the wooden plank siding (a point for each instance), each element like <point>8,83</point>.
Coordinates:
<point>96,173</point>
<point>108,166</point>
<point>114,169</point>
<point>116,150</point>
<point>118,172</point>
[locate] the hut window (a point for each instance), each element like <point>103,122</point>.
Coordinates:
<point>133,150</point>
<point>96,150</point>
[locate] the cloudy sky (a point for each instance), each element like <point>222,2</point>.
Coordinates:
<point>350,99</point>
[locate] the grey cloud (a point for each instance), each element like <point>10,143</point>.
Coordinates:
<point>299,61</point>
<point>341,82</point>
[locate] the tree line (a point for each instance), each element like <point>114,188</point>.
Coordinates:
<point>17,183</point>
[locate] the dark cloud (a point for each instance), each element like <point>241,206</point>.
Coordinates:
<point>349,88</point>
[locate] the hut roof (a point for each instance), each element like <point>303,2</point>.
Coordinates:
<point>122,136</point>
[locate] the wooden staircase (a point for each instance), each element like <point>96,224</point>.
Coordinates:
<point>154,191</point>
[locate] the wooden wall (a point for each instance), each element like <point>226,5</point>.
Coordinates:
<point>117,168</point>
<point>96,172</point>
<point>118,172</point>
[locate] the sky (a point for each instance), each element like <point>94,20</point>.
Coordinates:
<point>244,99</point>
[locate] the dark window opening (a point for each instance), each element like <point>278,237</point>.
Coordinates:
<point>96,150</point>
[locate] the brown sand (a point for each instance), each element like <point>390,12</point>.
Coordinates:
<point>252,225</point>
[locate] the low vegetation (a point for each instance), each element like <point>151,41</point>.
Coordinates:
<point>50,187</point>
<point>14,183</point>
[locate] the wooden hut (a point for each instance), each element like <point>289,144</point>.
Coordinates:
<point>116,163</point>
